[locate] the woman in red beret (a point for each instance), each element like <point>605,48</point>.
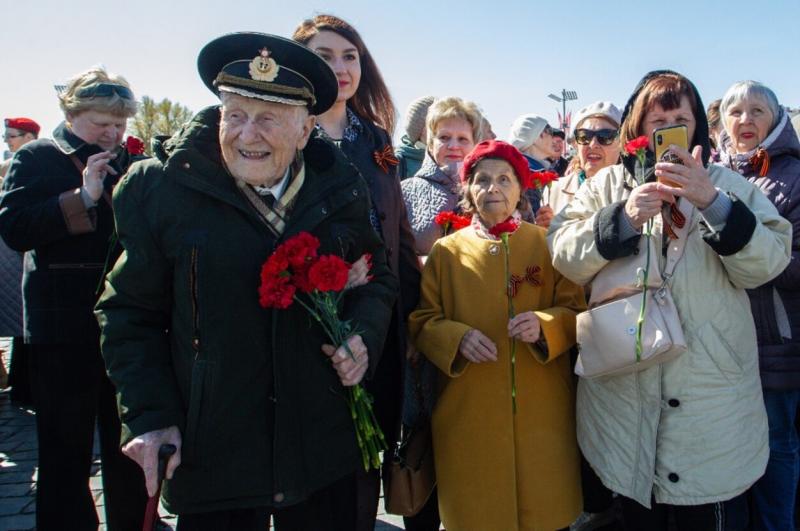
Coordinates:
<point>497,320</point>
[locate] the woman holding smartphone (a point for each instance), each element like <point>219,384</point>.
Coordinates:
<point>688,436</point>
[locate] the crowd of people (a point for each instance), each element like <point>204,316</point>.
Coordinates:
<point>142,313</point>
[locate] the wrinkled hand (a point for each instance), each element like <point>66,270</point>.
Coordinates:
<point>544,216</point>
<point>525,327</point>
<point>477,348</point>
<point>645,202</point>
<point>97,167</point>
<point>350,369</point>
<point>692,178</point>
<point>144,450</point>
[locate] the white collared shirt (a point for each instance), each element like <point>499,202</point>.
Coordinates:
<point>278,188</point>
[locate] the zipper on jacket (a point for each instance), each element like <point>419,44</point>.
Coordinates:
<point>193,289</point>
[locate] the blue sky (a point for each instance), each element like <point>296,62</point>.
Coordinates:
<point>506,56</point>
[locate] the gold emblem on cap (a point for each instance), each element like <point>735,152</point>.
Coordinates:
<point>264,67</point>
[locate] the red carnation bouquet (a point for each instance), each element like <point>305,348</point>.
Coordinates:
<point>450,220</point>
<point>638,148</point>
<point>294,272</point>
<point>503,230</point>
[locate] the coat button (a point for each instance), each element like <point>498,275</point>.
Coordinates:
<point>355,192</point>
<point>674,402</point>
<point>186,165</point>
<point>278,498</point>
<point>324,211</point>
<point>673,477</point>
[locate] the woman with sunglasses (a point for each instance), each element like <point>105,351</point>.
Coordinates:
<point>56,208</point>
<point>595,132</point>
<point>358,123</point>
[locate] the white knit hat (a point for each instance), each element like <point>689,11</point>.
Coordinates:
<point>526,130</point>
<point>598,109</point>
<point>415,117</point>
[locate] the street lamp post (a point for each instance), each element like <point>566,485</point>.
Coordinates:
<point>566,95</point>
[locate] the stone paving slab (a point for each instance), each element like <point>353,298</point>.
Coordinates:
<point>18,471</point>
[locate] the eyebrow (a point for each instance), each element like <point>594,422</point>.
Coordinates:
<point>324,49</point>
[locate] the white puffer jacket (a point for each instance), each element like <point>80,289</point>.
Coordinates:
<point>693,430</point>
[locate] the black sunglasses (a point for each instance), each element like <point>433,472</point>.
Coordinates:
<point>104,90</point>
<point>605,137</point>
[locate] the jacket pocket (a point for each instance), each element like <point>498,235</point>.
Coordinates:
<point>197,416</point>
<point>194,295</point>
<point>719,352</point>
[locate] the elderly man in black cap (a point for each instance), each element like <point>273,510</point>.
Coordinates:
<point>255,407</point>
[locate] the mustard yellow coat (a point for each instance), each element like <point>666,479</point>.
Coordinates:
<point>496,470</point>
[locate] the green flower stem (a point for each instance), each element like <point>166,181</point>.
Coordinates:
<point>511,313</point>
<point>647,233</point>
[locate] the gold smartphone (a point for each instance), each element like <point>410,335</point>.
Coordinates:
<point>664,137</point>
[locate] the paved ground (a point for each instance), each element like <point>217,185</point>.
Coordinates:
<point>18,471</point>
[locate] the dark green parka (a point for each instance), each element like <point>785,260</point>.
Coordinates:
<point>260,408</point>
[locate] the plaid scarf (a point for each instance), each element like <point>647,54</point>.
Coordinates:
<point>274,217</point>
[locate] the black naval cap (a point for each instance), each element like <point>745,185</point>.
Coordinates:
<point>269,68</point>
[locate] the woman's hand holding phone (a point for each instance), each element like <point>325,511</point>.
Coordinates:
<point>691,178</point>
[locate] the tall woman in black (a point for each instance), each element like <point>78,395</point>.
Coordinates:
<point>360,123</point>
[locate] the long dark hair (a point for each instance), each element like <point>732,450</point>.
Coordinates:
<point>372,99</point>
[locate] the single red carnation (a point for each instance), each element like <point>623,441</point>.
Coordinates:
<point>329,273</point>
<point>543,178</point>
<point>444,219</point>
<point>504,227</point>
<point>459,222</point>
<point>134,145</point>
<point>276,292</point>
<point>633,146</point>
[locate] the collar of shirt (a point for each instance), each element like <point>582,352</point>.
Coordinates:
<point>353,129</point>
<point>278,188</point>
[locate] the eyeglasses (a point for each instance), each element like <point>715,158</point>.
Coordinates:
<point>605,137</point>
<point>7,136</point>
<point>104,90</point>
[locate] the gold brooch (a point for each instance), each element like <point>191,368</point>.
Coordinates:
<point>264,67</point>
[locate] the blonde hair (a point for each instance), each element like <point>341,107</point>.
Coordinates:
<point>454,107</point>
<point>71,103</point>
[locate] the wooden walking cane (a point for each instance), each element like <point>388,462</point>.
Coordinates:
<point>151,511</point>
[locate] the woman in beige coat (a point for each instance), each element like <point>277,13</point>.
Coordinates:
<point>690,435</point>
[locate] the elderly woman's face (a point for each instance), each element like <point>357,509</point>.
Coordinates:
<point>594,156</point>
<point>748,123</point>
<point>100,128</point>
<point>657,117</point>
<point>342,56</point>
<point>494,190</point>
<point>259,139</point>
<point>452,140</point>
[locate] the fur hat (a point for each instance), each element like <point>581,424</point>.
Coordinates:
<point>526,130</point>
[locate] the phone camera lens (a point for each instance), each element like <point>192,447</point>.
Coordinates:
<point>659,139</point>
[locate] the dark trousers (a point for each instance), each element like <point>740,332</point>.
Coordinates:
<point>730,515</point>
<point>19,375</point>
<point>71,392</point>
<point>774,494</point>
<point>427,519</point>
<point>597,498</point>
<point>328,509</point>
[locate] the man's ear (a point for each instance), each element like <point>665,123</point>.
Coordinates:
<point>308,125</point>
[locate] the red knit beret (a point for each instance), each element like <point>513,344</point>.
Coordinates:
<point>23,124</point>
<point>497,149</point>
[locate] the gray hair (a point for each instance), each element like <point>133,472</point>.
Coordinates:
<point>71,103</point>
<point>744,90</point>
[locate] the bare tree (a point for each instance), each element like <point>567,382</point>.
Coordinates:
<point>158,118</point>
